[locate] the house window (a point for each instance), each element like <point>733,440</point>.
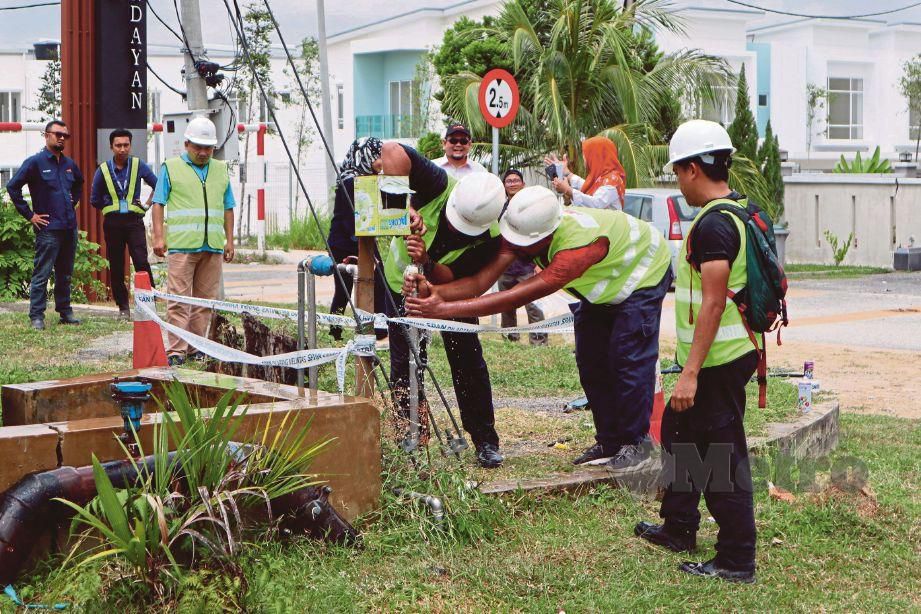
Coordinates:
<point>845,108</point>
<point>340,104</point>
<point>722,109</point>
<point>5,175</point>
<point>914,119</point>
<point>401,108</point>
<point>10,103</point>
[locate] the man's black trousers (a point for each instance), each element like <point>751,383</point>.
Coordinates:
<point>707,445</point>
<point>468,371</point>
<point>123,230</point>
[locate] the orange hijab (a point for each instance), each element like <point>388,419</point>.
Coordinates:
<point>603,166</point>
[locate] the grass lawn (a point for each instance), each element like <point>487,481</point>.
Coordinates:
<point>830,271</point>
<point>830,551</point>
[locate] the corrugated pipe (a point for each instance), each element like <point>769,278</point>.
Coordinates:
<point>28,508</point>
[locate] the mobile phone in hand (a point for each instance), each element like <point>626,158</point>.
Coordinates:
<point>551,172</point>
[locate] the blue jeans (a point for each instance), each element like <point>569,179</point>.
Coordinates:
<point>54,249</point>
<point>617,352</point>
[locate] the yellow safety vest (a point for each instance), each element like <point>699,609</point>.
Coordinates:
<point>133,205</point>
<point>637,255</point>
<point>195,208</point>
<point>732,339</point>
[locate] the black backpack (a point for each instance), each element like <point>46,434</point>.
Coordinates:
<point>762,302</point>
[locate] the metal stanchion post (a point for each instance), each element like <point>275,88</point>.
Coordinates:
<point>301,285</point>
<point>311,325</point>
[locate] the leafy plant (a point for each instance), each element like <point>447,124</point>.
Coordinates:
<point>910,88</point>
<point>429,145</point>
<point>838,250</point>
<point>303,233</point>
<point>859,165</point>
<point>816,98</point>
<point>17,254</point>
<point>189,512</point>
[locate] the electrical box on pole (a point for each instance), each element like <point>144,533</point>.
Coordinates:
<point>224,118</point>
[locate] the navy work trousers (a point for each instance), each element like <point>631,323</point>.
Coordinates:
<point>617,352</point>
<point>468,372</point>
<point>54,250</point>
<point>125,230</point>
<point>710,455</point>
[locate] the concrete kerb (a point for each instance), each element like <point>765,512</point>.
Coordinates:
<point>812,435</point>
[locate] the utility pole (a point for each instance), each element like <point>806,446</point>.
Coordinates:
<point>327,101</point>
<point>196,89</point>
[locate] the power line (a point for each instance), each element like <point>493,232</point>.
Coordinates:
<point>28,6</point>
<point>163,81</point>
<point>841,17</point>
<point>165,25</point>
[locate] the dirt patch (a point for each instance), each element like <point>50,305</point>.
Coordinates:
<point>865,380</point>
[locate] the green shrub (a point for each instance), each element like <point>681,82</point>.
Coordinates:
<point>17,253</point>
<point>303,233</point>
<point>430,146</point>
<point>859,165</point>
<point>838,250</point>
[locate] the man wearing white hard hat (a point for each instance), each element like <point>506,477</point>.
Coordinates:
<point>704,417</point>
<point>459,235</point>
<point>193,194</point>
<point>618,268</point>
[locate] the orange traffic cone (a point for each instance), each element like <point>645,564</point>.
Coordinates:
<point>658,408</point>
<point>148,340</point>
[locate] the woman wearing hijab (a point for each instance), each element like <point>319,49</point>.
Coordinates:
<point>606,182</point>
<point>362,158</point>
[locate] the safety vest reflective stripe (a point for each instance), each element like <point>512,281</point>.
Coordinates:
<point>637,257</point>
<point>195,208</point>
<point>133,165</point>
<point>732,340</point>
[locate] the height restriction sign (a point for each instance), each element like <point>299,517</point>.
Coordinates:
<point>498,98</point>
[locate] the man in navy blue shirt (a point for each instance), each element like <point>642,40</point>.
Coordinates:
<point>55,183</point>
<point>117,192</point>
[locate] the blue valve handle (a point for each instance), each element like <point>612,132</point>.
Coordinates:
<point>322,265</point>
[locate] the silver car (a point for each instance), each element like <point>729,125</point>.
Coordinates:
<point>667,210</point>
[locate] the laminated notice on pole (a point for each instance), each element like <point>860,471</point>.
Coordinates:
<point>380,206</point>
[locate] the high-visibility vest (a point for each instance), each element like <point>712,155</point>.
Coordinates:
<point>133,166</point>
<point>195,208</point>
<point>732,339</point>
<point>637,257</point>
<point>397,258</point>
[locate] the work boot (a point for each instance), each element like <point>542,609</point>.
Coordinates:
<point>124,314</point>
<point>487,455</point>
<point>197,355</point>
<point>709,569</point>
<point>513,337</point>
<point>38,324</point>
<point>595,455</point>
<point>676,541</point>
<point>68,318</point>
<point>175,360</point>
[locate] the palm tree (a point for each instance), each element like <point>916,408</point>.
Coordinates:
<point>578,76</point>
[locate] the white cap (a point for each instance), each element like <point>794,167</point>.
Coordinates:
<point>532,214</point>
<point>475,203</point>
<point>697,137</point>
<point>201,132</point>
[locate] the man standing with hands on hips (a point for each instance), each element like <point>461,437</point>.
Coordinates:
<point>117,192</point>
<point>194,191</point>
<point>55,183</point>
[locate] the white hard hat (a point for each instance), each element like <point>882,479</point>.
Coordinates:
<point>696,137</point>
<point>201,132</point>
<point>475,203</point>
<point>532,214</point>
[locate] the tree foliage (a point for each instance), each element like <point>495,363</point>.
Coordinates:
<point>910,88</point>
<point>769,160</point>
<point>306,63</point>
<point>744,130</point>
<point>48,102</point>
